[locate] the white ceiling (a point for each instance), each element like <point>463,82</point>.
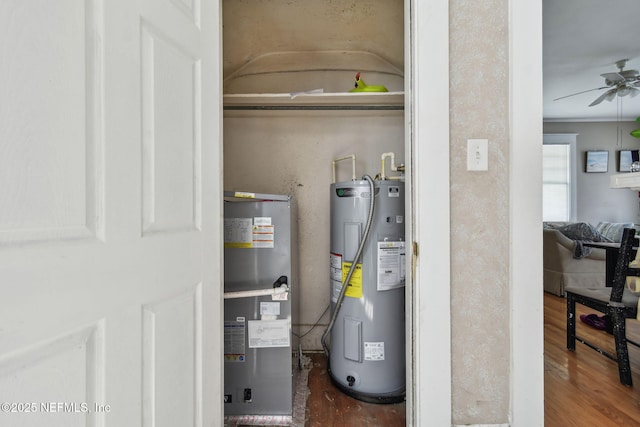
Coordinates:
<point>581,40</point>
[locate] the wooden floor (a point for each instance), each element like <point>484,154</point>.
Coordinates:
<point>327,406</point>
<point>582,388</point>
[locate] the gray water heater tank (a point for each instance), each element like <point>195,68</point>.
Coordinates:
<point>367,356</point>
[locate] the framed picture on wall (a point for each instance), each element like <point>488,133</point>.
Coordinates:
<point>626,158</point>
<point>597,161</point>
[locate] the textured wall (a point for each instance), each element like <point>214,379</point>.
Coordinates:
<point>479,89</point>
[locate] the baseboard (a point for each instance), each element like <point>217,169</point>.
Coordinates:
<point>481,425</point>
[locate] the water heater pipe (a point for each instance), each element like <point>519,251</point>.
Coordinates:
<point>353,166</point>
<point>367,228</point>
<point>393,166</point>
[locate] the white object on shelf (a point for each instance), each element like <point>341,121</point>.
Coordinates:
<point>626,180</point>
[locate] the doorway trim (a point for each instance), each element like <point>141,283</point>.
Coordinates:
<point>427,130</point>
<point>429,348</point>
<point>525,219</point>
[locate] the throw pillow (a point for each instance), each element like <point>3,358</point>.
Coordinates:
<point>613,230</point>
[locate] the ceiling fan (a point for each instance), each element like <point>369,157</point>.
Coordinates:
<point>622,83</point>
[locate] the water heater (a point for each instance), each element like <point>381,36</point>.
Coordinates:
<point>367,352</point>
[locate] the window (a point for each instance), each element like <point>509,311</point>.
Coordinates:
<point>558,177</point>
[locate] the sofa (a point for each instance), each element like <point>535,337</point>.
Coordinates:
<point>566,263</point>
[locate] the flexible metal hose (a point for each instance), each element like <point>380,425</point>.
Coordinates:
<point>353,266</point>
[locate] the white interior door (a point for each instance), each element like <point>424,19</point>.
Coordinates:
<point>110,262</point>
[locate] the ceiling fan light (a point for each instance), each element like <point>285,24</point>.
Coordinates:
<point>624,91</point>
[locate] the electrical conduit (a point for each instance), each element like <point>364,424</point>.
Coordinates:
<point>353,266</point>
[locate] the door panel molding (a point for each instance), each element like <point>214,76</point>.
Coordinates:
<point>190,9</point>
<point>172,339</point>
<point>34,376</point>
<point>171,155</point>
<point>53,162</point>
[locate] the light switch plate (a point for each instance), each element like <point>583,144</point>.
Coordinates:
<point>477,154</point>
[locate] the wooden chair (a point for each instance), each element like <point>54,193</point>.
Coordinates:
<point>615,301</point>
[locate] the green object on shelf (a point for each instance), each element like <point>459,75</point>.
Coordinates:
<point>361,86</point>
<point>635,133</point>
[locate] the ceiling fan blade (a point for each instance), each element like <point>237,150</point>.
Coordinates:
<point>608,95</point>
<point>611,94</point>
<point>613,77</point>
<point>584,91</point>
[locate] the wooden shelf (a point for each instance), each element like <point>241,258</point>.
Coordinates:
<point>316,101</point>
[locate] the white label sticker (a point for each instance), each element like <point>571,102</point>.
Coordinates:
<point>237,232</point>
<point>270,308</point>
<point>234,334</point>
<point>263,236</point>
<point>391,265</point>
<point>335,275</point>
<point>269,333</point>
<point>284,296</point>
<point>262,220</point>
<point>374,351</point>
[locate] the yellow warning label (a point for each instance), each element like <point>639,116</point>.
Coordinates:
<point>244,195</point>
<point>238,244</point>
<point>354,288</point>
